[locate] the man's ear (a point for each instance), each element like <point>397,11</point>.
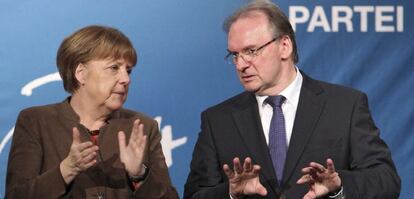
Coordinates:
<point>80,73</point>
<point>286,47</point>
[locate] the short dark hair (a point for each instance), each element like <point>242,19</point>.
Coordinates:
<point>89,43</point>
<point>278,21</point>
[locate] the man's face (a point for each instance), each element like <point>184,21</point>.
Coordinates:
<point>261,74</point>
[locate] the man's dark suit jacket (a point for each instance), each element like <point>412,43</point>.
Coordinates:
<point>331,122</point>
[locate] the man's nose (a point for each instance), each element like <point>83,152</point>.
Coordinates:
<point>241,63</point>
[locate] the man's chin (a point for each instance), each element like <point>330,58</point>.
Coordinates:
<point>255,90</point>
<point>250,88</point>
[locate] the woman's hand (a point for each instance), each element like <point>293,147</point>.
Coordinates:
<point>132,155</point>
<point>82,155</point>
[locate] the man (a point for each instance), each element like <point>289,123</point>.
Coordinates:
<point>287,135</point>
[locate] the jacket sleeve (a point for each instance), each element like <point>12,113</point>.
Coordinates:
<point>24,176</point>
<point>205,180</point>
<point>372,173</point>
<point>157,184</point>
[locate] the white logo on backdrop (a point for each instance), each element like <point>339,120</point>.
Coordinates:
<point>167,141</point>
<point>381,18</point>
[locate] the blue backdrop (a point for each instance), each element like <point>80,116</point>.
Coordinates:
<point>181,70</point>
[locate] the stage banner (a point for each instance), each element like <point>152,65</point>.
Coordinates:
<point>362,44</point>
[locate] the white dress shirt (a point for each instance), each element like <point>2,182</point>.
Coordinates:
<point>289,106</point>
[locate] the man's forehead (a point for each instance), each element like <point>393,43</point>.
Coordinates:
<point>253,14</point>
<point>249,22</point>
<point>247,31</point>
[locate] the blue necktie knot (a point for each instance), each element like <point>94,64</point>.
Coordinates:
<point>275,101</point>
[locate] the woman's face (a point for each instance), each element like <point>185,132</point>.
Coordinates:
<point>105,82</point>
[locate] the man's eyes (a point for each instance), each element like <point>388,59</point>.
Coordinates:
<point>250,51</point>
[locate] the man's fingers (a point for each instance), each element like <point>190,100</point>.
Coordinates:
<point>311,171</point>
<point>313,174</point>
<point>229,173</point>
<point>305,179</point>
<point>261,190</point>
<point>306,170</point>
<point>237,166</point>
<point>318,167</point>
<point>301,180</point>
<point>256,170</point>
<point>330,165</point>
<point>309,195</point>
<point>247,165</point>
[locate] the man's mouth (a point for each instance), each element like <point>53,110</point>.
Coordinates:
<point>248,77</point>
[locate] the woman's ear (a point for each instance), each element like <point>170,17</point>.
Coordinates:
<point>80,73</point>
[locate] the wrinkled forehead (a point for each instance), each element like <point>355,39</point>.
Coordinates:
<point>248,30</point>
<point>252,17</point>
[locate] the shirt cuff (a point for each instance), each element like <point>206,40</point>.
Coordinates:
<point>338,195</point>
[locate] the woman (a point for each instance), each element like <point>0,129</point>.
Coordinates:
<point>88,146</point>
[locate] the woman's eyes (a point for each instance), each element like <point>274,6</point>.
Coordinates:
<point>114,67</point>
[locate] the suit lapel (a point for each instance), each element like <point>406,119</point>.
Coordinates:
<point>310,106</point>
<point>251,132</point>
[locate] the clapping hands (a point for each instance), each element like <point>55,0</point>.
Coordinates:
<point>82,155</point>
<point>132,153</point>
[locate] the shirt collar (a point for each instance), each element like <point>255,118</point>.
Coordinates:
<point>291,92</point>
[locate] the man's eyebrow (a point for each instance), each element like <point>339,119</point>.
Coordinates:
<point>249,47</point>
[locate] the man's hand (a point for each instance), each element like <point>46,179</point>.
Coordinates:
<point>82,155</point>
<point>321,180</point>
<point>244,180</point>
<point>132,155</point>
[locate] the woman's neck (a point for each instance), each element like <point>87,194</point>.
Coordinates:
<point>90,114</point>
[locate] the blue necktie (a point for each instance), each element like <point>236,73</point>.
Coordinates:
<point>277,135</point>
